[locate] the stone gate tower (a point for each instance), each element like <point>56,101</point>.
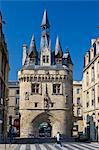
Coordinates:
<point>45,88</point>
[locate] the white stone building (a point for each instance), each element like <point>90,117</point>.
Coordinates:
<point>91,91</point>
<point>45,81</point>
<point>77,108</point>
<point>13,116</point>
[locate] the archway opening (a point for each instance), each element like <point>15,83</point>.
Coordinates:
<point>45,129</point>
<point>41,125</point>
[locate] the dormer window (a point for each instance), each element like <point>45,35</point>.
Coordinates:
<point>45,59</point>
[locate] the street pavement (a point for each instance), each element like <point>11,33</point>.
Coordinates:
<point>65,146</point>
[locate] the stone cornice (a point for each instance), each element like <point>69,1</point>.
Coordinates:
<point>92,61</point>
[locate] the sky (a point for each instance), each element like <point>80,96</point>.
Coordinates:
<point>75,22</point>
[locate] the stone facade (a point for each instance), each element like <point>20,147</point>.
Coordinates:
<point>77,107</point>
<point>91,91</point>
<point>13,116</point>
<point>45,88</point>
<point>4,70</point>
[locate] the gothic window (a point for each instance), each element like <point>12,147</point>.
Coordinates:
<point>35,88</point>
<point>45,59</point>
<point>56,88</point>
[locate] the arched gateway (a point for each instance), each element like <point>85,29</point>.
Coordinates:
<point>42,125</point>
<point>45,88</point>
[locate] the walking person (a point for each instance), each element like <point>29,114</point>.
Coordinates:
<point>11,133</point>
<point>58,138</point>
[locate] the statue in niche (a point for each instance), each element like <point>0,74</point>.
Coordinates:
<point>46,103</point>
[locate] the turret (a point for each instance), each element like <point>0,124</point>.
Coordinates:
<point>67,58</point>
<point>45,45</point>
<point>32,53</point>
<point>58,52</point>
<point>68,62</point>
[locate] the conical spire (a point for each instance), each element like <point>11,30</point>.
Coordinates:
<point>45,23</point>
<point>58,49</point>
<point>32,45</point>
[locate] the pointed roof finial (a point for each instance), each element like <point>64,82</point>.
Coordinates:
<point>58,48</point>
<point>45,23</point>
<point>32,45</point>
